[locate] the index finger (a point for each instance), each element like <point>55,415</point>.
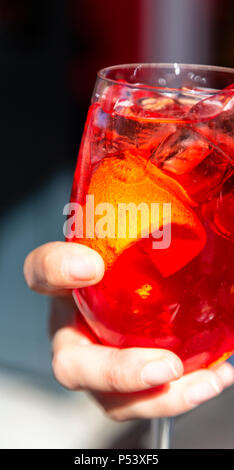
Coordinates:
<point>58,267</point>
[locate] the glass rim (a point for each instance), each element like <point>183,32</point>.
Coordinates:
<point>157,65</point>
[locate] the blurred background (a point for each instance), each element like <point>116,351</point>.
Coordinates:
<point>50,51</point>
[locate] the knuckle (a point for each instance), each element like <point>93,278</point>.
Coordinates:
<point>215,379</point>
<point>112,379</point>
<point>115,372</point>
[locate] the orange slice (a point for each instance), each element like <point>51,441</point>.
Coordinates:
<point>131,179</point>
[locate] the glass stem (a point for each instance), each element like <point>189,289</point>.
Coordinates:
<point>161,433</point>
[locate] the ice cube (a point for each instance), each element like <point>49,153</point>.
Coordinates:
<point>213,117</point>
<point>141,121</point>
<point>187,241</point>
<point>111,135</point>
<point>212,106</point>
<point>219,211</point>
<point>224,216</point>
<point>198,154</point>
<point>181,151</point>
<point>151,107</point>
<point>156,103</point>
<point>112,94</point>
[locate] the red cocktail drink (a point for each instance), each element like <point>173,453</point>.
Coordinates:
<point>157,154</point>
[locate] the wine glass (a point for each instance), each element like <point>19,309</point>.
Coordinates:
<point>152,193</point>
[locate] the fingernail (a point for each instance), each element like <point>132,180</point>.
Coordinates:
<point>198,393</point>
<point>83,268</point>
<point>159,372</point>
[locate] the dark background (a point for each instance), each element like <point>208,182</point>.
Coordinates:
<point>50,51</point>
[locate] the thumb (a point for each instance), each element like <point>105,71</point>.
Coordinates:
<point>56,267</point>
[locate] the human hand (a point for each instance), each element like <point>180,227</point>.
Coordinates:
<point>127,383</point>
